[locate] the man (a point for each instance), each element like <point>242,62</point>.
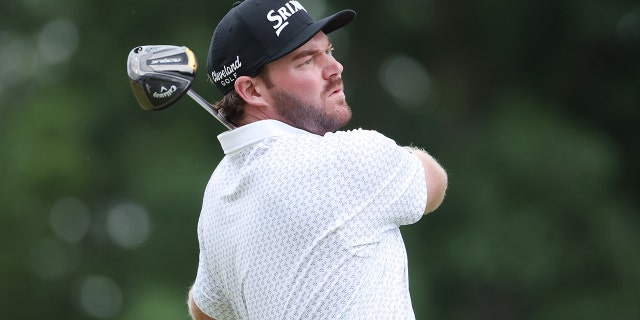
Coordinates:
<point>300,220</point>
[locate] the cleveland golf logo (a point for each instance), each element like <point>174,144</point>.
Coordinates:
<point>281,15</point>
<point>165,93</point>
<point>228,73</point>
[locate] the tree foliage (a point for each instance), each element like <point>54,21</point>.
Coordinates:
<point>531,106</point>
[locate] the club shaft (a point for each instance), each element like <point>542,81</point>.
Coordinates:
<point>207,106</point>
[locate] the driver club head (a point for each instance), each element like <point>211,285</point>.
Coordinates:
<point>160,74</point>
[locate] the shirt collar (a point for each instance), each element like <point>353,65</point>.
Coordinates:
<point>236,139</point>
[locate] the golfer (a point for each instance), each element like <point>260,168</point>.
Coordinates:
<point>301,220</point>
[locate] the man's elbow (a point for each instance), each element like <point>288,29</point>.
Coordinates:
<point>437,183</point>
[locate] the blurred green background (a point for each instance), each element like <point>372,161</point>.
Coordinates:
<point>531,106</point>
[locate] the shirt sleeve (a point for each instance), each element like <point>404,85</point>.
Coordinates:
<point>382,185</point>
<point>208,296</point>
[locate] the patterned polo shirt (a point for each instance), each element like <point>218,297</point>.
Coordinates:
<point>300,226</point>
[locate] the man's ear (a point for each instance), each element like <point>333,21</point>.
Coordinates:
<point>247,88</point>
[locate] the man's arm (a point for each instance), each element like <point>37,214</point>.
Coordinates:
<point>436,177</point>
<point>194,311</point>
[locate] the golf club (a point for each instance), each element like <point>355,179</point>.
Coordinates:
<point>161,74</point>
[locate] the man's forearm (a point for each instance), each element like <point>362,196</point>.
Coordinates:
<point>436,178</point>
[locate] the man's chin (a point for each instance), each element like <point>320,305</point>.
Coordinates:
<point>344,114</point>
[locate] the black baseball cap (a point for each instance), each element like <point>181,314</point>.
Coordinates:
<point>256,32</point>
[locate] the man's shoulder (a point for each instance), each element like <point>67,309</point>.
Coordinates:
<point>357,134</point>
<point>352,141</point>
<point>363,142</point>
<point>354,138</point>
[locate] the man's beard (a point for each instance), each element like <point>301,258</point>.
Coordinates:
<point>301,114</point>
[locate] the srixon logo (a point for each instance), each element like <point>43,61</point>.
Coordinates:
<point>279,17</point>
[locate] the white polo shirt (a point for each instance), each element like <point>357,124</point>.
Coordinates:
<point>300,226</point>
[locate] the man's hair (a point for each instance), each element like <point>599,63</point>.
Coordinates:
<point>232,105</point>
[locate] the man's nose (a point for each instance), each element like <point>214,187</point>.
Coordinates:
<point>333,68</point>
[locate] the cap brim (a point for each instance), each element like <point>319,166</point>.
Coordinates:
<point>326,25</point>
<point>336,21</point>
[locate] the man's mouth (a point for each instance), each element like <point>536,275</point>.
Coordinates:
<point>337,90</point>
<point>335,86</point>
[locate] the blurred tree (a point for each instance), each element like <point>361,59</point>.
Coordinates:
<point>531,106</point>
